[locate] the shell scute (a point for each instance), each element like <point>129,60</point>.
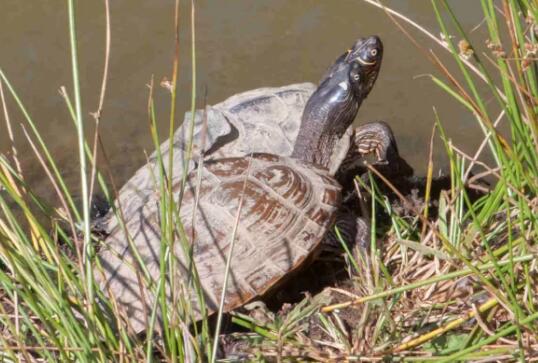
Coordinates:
<point>259,205</point>
<point>287,183</point>
<point>233,167</point>
<point>318,215</point>
<point>330,196</point>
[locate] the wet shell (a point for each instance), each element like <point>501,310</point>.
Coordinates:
<point>286,204</point>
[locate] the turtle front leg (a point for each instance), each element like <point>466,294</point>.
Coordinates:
<point>353,229</point>
<point>377,138</point>
<point>371,138</point>
<point>355,232</point>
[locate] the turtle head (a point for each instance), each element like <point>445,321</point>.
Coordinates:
<point>364,59</point>
<point>331,109</point>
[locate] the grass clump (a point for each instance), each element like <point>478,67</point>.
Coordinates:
<point>455,279</point>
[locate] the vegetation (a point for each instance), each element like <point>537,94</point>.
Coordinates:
<point>455,283</point>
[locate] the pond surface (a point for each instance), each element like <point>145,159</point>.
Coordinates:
<point>241,44</point>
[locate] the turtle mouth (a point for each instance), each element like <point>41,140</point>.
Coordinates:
<point>364,62</point>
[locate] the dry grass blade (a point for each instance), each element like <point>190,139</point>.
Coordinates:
<point>97,114</point>
<point>452,325</point>
<point>483,144</point>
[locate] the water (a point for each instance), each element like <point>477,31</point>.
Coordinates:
<point>240,44</point>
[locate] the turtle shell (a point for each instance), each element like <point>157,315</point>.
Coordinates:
<point>261,120</point>
<point>287,204</point>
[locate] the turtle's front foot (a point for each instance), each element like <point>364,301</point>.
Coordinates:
<point>376,138</point>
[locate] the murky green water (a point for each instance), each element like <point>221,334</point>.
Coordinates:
<point>241,44</point>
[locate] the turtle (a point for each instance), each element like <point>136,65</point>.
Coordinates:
<point>287,205</point>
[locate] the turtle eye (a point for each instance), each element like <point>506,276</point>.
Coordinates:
<point>368,58</point>
<point>356,77</point>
